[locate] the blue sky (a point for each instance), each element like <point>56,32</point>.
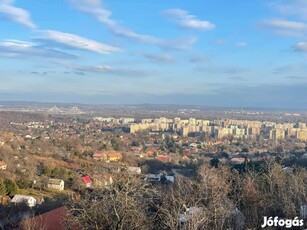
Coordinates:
<point>211,52</point>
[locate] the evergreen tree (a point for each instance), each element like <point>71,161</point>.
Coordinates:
<point>11,187</point>
<point>215,162</point>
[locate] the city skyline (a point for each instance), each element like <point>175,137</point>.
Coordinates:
<point>214,53</point>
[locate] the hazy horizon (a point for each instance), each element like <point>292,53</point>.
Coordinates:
<point>30,103</point>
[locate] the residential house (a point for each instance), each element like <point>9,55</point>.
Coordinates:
<point>3,165</point>
<point>109,157</point>
<point>189,213</point>
<point>186,151</point>
<point>99,155</point>
<point>153,177</point>
<point>87,180</point>
<point>194,145</point>
<point>151,152</point>
<point>134,170</point>
<point>136,149</point>
<point>29,137</point>
<point>54,219</point>
<point>163,158</point>
<point>102,180</point>
<point>214,142</point>
<point>114,156</point>
<point>237,160</point>
<point>159,177</point>
<point>170,178</point>
<point>56,184</point>
<point>29,200</point>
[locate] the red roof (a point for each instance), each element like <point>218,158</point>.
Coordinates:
<point>214,141</point>
<point>163,158</point>
<point>87,179</point>
<point>186,151</point>
<point>238,160</point>
<point>260,158</point>
<point>51,220</point>
<point>98,153</point>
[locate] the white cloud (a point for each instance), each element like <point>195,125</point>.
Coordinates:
<point>10,12</point>
<point>186,20</point>
<point>66,40</point>
<point>95,9</point>
<point>103,68</point>
<point>301,47</point>
<point>22,49</point>
<point>241,44</point>
<point>292,7</point>
<point>285,27</point>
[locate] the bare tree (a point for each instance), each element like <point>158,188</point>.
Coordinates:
<point>124,205</point>
<point>31,224</point>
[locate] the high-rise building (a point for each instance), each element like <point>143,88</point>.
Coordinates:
<point>185,131</point>
<point>276,134</point>
<point>302,135</point>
